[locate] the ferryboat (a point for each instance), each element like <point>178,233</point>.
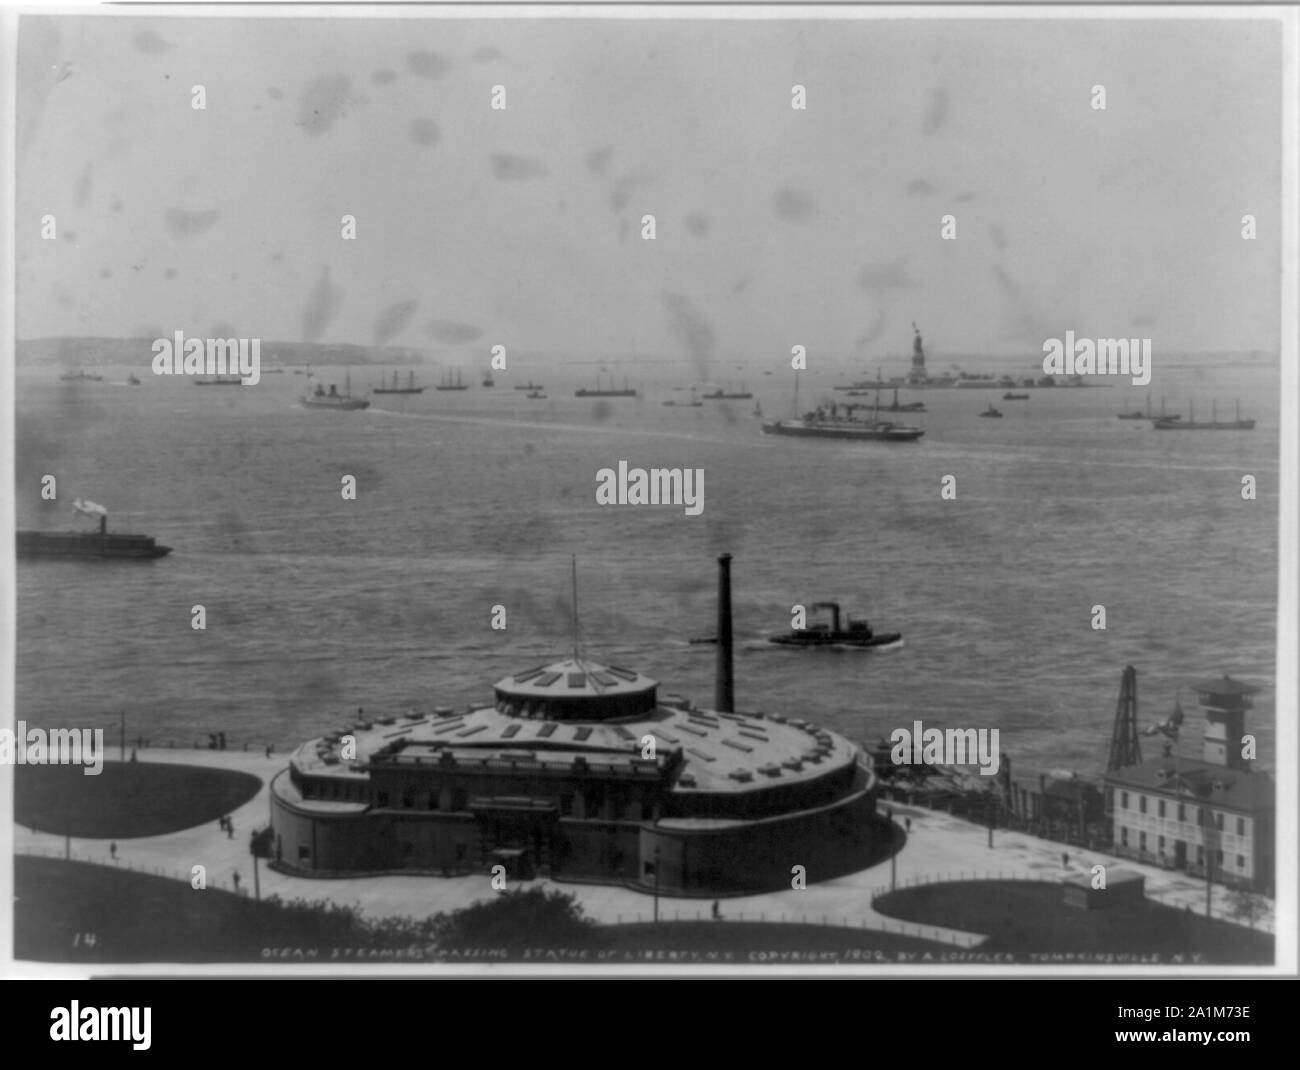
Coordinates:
<point>64,545</point>
<point>838,421</point>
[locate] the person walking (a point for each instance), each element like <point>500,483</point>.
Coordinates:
<point>112,850</point>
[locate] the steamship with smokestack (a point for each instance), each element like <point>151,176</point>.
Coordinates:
<point>583,771</point>
<point>34,545</point>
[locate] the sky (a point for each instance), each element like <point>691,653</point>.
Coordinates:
<point>775,227</point>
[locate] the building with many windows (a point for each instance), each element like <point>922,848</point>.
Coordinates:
<point>1214,813</point>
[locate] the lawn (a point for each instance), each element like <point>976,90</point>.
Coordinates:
<point>127,798</point>
<point>1024,916</point>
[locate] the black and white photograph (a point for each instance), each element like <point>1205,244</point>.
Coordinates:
<point>650,490</point>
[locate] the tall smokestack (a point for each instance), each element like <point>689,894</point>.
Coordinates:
<point>103,524</point>
<point>724,696</point>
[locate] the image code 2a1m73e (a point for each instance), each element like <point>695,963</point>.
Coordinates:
<point>661,491</point>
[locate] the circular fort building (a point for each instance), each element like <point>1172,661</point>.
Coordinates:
<point>580,772</point>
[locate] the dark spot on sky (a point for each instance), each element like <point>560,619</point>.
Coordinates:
<point>602,410</point>
<point>620,194</point>
<point>919,187</point>
<point>486,54</point>
<point>452,332</point>
<point>84,185</point>
<point>150,42</point>
<point>104,273</point>
<point>323,101</point>
<point>426,64</point>
<point>384,77</point>
<point>884,275</point>
<point>116,206</point>
<point>598,159</point>
<point>507,167</point>
<point>697,223</point>
<point>274,93</point>
<point>170,273</point>
<point>277,258</point>
<point>182,223</point>
<point>424,132</point>
<point>222,330</point>
<point>529,449</point>
<point>69,235</point>
<point>322,306</point>
<point>877,327</point>
<point>998,235</point>
<point>392,320</point>
<point>793,205</point>
<point>962,198</point>
<point>936,113</point>
<point>1142,319</point>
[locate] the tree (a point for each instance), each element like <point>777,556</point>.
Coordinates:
<point>516,919</point>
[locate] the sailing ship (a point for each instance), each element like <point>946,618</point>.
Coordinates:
<point>611,392</point>
<point>344,402</point>
<point>838,421</point>
<point>409,388</point>
<point>694,403</point>
<point>1190,423</point>
<point>447,383</point>
<point>858,633</point>
<point>721,395</point>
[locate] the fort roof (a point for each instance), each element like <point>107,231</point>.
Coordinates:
<point>719,752</point>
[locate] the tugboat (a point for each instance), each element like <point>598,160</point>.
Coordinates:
<point>132,380</point>
<point>409,388</point>
<point>35,545</point>
<point>530,385</point>
<point>1175,424</point>
<point>827,422</point>
<point>334,400</point>
<point>1009,396</point>
<point>80,377</point>
<point>991,411</point>
<point>858,633</point>
<point>535,395</point>
<point>220,380</point>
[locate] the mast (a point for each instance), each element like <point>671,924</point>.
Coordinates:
<point>347,381</point>
<point>574,560</point>
<point>796,393</point>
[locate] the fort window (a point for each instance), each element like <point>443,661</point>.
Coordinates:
<point>1123,835</point>
<point>1142,841</point>
<point>459,798</point>
<point>461,851</point>
<point>1142,803</point>
<point>1218,821</point>
<point>1241,862</point>
<point>1123,800</point>
<point>1218,858</point>
<point>1241,826</point>
<point>381,799</point>
<point>1160,808</point>
<point>433,799</point>
<point>1181,814</point>
<point>303,854</point>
